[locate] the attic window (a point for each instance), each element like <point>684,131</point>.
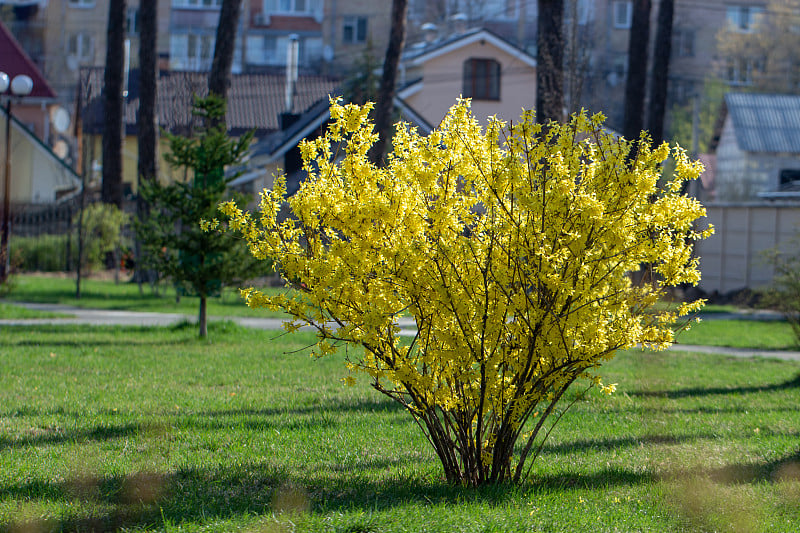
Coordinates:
<point>789,176</point>
<point>481,79</point>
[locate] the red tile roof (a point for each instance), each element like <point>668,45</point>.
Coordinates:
<point>282,22</point>
<point>14,61</point>
<point>255,100</point>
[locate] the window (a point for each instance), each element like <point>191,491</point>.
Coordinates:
<point>191,51</point>
<point>354,30</point>
<point>578,11</point>
<point>741,71</point>
<point>743,18</point>
<point>789,176</point>
<point>623,14</point>
<point>81,3</point>
<point>264,50</point>
<point>132,21</point>
<point>200,4</point>
<point>683,43</point>
<point>79,46</point>
<point>271,50</point>
<point>481,79</point>
<point>293,7</point>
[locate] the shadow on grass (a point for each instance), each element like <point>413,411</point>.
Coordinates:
<point>784,469</point>
<point>617,443</point>
<point>793,383</point>
<point>46,437</point>
<point>371,404</point>
<point>307,421</point>
<point>146,500</point>
<point>298,418</point>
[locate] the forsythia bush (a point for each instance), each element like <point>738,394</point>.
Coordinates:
<point>510,247</point>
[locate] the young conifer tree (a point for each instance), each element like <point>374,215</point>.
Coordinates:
<point>198,262</point>
<point>509,246</point>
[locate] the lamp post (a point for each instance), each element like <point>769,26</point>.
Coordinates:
<point>20,85</point>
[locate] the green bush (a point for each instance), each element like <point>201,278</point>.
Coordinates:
<point>102,233</point>
<point>48,253</point>
<point>784,293</point>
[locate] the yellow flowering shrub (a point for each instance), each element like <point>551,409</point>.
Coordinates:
<point>510,248</point>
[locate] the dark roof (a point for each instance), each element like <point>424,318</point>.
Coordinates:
<point>14,61</point>
<point>278,142</point>
<point>255,100</point>
<point>765,122</point>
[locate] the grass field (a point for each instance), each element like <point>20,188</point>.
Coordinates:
<point>106,294</point>
<point>152,429</point>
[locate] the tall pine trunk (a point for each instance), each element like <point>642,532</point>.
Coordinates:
<point>386,90</point>
<point>550,61</point>
<point>113,103</point>
<point>661,57</point>
<point>636,82</point>
<point>147,164</point>
<point>219,79</point>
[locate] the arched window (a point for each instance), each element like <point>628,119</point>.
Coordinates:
<point>481,79</point>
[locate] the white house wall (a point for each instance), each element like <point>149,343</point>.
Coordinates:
<point>37,175</point>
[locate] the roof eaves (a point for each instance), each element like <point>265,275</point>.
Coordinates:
<point>462,40</point>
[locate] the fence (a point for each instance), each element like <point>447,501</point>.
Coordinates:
<point>42,236</point>
<point>733,258</point>
<point>47,219</point>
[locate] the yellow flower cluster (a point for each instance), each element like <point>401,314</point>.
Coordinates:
<point>510,246</point>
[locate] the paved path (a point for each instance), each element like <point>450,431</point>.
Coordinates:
<point>134,318</point>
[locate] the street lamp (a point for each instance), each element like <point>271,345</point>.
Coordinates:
<point>20,85</point>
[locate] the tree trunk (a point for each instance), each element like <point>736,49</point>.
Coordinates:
<point>636,81</point>
<point>147,169</point>
<point>113,103</point>
<point>219,79</point>
<point>550,61</point>
<point>202,319</point>
<point>661,57</point>
<point>386,90</point>
<point>148,75</point>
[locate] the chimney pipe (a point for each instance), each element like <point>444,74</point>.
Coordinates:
<point>292,52</point>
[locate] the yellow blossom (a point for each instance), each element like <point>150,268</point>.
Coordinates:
<point>509,249</point>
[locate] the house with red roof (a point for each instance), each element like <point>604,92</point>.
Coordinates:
<point>37,174</point>
<point>32,110</point>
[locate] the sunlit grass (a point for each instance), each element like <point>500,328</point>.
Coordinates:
<point>152,429</point>
<point>125,295</point>
<point>756,334</point>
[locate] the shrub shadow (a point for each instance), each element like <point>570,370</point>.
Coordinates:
<point>792,383</point>
<point>145,500</point>
<point>783,469</point>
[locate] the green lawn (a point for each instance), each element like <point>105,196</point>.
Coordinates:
<point>125,296</point>
<point>152,429</point>
<point>8,310</point>
<point>763,335</point>
<point>104,294</point>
